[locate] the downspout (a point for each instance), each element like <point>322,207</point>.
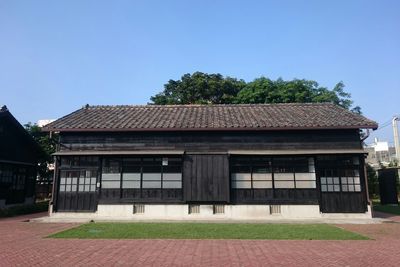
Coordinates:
<point>54,187</point>
<point>396,137</point>
<point>369,202</point>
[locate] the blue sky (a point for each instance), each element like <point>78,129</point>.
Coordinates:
<point>56,56</point>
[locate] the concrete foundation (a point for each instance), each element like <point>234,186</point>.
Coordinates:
<point>231,212</point>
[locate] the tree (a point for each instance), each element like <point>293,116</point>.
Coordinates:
<point>373,184</point>
<point>199,88</point>
<point>203,88</point>
<point>264,90</point>
<point>48,147</point>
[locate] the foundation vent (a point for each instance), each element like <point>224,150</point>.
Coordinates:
<point>194,209</point>
<point>219,209</point>
<point>138,209</point>
<point>275,209</point>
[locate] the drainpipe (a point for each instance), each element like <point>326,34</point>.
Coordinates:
<point>364,169</point>
<point>396,137</point>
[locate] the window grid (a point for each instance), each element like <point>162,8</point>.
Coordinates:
<point>279,172</point>
<point>144,173</point>
<point>343,180</point>
<point>78,181</point>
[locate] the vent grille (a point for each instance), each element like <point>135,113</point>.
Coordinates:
<point>219,209</point>
<point>138,209</point>
<point>194,209</point>
<point>275,209</point>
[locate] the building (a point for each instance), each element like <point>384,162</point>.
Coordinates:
<point>210,161</point>
<point>18,162</point>
<point>380,154</point>
<point>42,123</point>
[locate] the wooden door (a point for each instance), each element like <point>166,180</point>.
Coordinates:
<point>342,188</point>
<point>206,178</point>
<point>77,190</point>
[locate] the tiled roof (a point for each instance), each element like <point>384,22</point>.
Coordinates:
<point>210,117</point>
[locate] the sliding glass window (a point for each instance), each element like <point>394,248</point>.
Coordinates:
<point>257,172</point>
<point>142,173</point>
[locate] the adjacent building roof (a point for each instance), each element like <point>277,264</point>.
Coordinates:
<point>17,145</point>
<point>211,117</point>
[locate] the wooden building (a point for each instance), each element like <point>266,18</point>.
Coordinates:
<point>211,161</point>
<point>18,161</point>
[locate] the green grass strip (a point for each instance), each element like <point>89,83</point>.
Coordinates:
<point>208,231</point>
<point>392,209</point>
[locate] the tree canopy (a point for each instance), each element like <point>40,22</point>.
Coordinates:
<point>199,88</point>
<point>48,147</point>
<point>203,88</point>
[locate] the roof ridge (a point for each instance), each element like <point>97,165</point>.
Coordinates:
<point>206,105</point>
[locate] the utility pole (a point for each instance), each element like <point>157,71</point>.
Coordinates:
<point>396,137</point>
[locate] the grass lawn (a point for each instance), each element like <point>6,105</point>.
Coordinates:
<point>388,209</point>
<point>208,231</point>
<point>392,209</point>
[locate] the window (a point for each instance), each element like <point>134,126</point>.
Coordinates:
<point>142,173</point>
<point>251,172</point>
<point>330,184</point>
<point>305,173</point>
<point>279,172</point>
<point>6,174</point>
<point>111,174</point>
<point>131,173</point>
<point>172,173</point>
<point>151,173</point>
<point>78,174</point>
<point>79,161</point>
<point>78,180</point>
<point>69,181</point>
<point>341,174</point>
<point>284,172</point>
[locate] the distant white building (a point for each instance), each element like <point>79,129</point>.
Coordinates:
<point>380,153</point>
<point>42,123</point>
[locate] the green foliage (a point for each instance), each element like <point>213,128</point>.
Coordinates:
<point>199,88</point>
<point>264,90</point>
<point>208,231</point>
<point>393,163</point>
<point>203,88</point>
<point>24,209</point>
<point>373,184</point>
<point>48,147</point>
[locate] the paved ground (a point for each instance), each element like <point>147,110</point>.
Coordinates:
<point>24,244</point>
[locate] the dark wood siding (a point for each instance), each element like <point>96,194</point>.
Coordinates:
<point>343,202</point>
<point>206,178</point>
<point>75,201</point>
<point>212,141</point>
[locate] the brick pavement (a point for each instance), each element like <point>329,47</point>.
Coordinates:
<point>24,244</point>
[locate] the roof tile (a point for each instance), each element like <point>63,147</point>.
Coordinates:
<point>210,117</point>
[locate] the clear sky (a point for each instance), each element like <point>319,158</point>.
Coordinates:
<point>56,56</point>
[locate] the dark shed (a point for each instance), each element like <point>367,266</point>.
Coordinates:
<point>18,162</point>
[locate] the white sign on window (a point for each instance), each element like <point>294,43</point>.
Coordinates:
<point>165,161</point>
